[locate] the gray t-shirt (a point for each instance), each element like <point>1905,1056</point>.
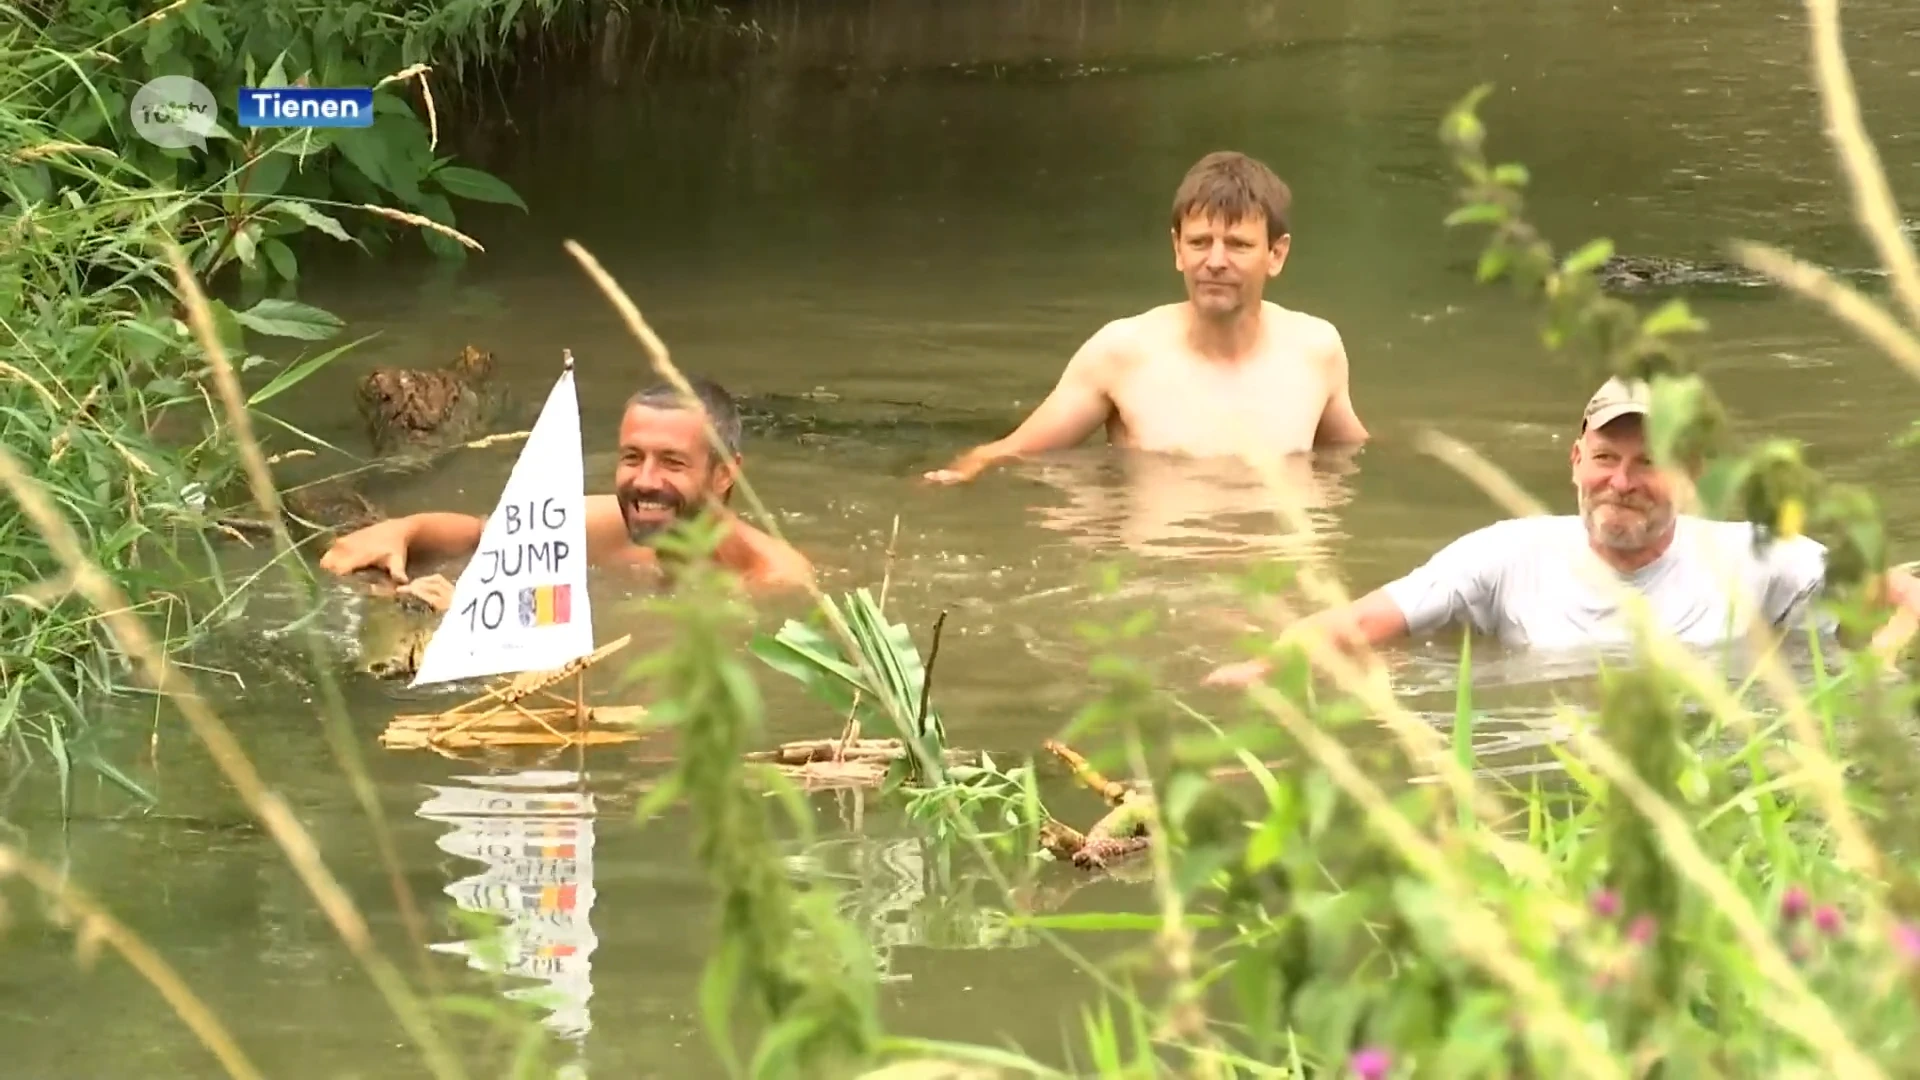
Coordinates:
<point>1534,582</point>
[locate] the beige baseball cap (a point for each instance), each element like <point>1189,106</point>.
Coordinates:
<point>1616,399</point>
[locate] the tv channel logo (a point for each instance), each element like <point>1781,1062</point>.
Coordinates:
<point>306,107</point>
<point>175,112</point>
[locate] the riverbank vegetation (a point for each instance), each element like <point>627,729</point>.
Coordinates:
<point>1720,884</point>
<point>101,385</point>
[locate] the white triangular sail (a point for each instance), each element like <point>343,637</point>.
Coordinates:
<point>521,603</point>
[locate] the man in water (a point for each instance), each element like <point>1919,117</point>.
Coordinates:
<point>667,473</point>
<point>1224,372</point>
<point>1547,582</point>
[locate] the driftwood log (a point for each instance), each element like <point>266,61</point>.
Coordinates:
<point>1122,833</point>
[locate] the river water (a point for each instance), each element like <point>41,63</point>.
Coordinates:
<point>886,233</point>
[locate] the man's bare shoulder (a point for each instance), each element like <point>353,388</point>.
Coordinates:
<point>1299,325</point>
<point>1310,333</point>
<point>1121,342</point>
<point>777,564</point>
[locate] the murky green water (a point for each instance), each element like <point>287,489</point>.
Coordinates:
<point>929,242</point>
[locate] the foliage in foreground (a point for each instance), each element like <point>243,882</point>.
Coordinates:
<point>100,381</point>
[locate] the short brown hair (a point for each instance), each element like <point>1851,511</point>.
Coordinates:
<point>1234,186</point>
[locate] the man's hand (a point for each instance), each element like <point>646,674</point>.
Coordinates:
<point>381,546</point>
<point>434,590</point>
<point>1074,409</point>
<point>1240,675</point>
<point>962,471</point>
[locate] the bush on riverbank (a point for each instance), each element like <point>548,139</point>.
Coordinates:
<point>101,386</point>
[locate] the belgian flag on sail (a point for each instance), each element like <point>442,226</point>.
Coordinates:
<point>546,605</point>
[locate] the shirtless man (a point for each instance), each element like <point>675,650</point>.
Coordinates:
<point>1226,371</point>
<point>1551,582</point>
<point>667,473</point>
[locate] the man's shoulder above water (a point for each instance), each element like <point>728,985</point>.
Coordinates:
<point>1569,530</point>
<point>1700,545</point>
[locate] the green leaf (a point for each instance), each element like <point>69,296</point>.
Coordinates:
<point>281,257</point>
<point>1672,317</point>
<point>1493,263</point>
<point>306,214</point>
<point>290,318</point>
<point>1105,920</point>
<point>1588,257</point>
<point>1511,175</point>
<point>243,246</point>
<point>367,151</point>
<point>465,183</point>
<point>296,374</point>
<point>277,74</point>
<point>112,772</point>
<point>266,175</point>
<point>1477,214</point>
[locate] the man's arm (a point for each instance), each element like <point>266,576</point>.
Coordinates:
<point>1339,424</point>
<point>392,545</point>
<point>1458,584</point>
<point>1903,592</point>
<point>1372,620</point>
<point>1076,407</point>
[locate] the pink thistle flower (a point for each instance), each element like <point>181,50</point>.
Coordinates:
<point>1826,918</point>
<point>1371,1063</point>
<point>1906,941</point>
<point>1642,929</point>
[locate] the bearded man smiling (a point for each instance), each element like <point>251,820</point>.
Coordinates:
<point>1555,582</point>
<point>667,472</point>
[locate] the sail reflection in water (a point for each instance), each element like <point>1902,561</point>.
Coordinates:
<point>534,832</point>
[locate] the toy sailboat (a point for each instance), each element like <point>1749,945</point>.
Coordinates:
<point>520,609</point>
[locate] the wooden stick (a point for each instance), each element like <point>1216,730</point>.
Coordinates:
<point>926,679</point>
<point>1112,791</point>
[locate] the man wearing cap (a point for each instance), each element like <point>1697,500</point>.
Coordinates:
<point>1554,582</point>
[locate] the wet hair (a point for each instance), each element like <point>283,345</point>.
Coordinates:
<point>1233,186</point>
<point>713,398</point>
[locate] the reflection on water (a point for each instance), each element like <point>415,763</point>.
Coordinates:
<point>907,891</point>
<point>534,832</point>
<point>1175,507</point>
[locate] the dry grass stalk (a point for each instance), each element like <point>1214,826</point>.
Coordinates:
<point>46,395</point>
<point>96,925</point>
<point>419,71</point>
<point>49,149</point>
<point>153,16</point>
<point>295,841</point>
<point>490,440</point>
<point>1186,1015</point>
<point>1845,302</point>
<point>1479,935</point>
<point>1873,202</point>
<point>424,223</point>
